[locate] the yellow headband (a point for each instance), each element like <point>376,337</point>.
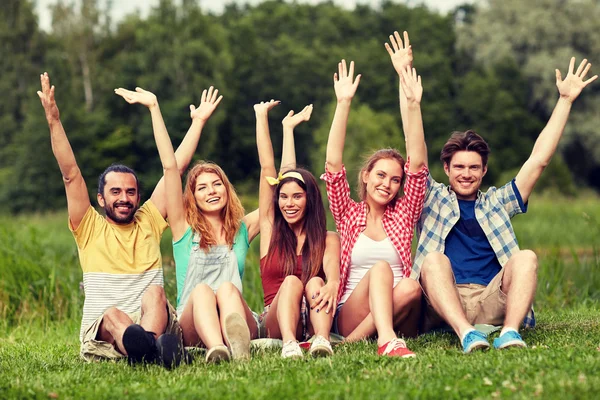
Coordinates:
<point>291,174</point>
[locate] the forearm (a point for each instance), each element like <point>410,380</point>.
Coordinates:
<point>416,148</point>
<point>62,151</point>
<point>288,154</point>
<point>337,136</point>
<point>547,141</point>
<point>403,106</point>
<point>263,142</point>
<point>187,148</point>
<point>163,142</point>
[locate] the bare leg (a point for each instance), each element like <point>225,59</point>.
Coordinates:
<point>437,279</point>
<point>154,310</point>
<point>113,325</point>
<point>200,320</point>
<point>519,283</point>
<point>407,307</point>
<point>283,319</point>
<point>319,320</point>
<point>373,294</point>
<point>229,301</point>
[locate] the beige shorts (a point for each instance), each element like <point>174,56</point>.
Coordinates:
<point>93,349</point>
<point>482,304</point>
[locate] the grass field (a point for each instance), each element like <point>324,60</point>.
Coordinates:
<point>41,301</point>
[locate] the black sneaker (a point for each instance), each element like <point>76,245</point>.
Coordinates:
<point>139,344</point>
<point>170,350</point>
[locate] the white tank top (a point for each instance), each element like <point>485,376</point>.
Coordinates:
<point>366,253</point>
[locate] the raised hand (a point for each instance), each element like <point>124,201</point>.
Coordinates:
<point>208,104</point>
<point>573,84</point>
<point>400,53</point>
<point>265,107</point>
<point>292,120</point>
<point>344,83</point>
<point>46,96</point>
<point>411,85</point>
<point>140,96</point>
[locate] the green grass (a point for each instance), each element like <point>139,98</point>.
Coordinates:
<point>561,362</point>
<point>41,301</point>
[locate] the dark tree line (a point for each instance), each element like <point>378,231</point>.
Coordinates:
<point>287,52</point>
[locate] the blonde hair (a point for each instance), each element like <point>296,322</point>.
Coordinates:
<point>232,213</point>
<point>369,163</point>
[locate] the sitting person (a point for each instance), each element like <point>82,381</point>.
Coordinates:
<point>470,265</point>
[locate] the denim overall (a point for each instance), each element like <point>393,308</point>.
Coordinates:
<point>213,268</point>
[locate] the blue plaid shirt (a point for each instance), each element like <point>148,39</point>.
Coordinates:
<point>493,211</point>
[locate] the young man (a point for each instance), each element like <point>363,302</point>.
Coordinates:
<point>126,313</point>
<point>471,268</point>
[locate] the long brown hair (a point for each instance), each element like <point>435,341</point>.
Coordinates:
<point>369,163</point>
<point>283,240</point>
<point>232,213</point>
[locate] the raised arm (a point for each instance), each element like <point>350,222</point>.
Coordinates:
<point>545,145</point>
<point>414,135</point>
<point>172,179</point>
<point>402,57</point>
<point>267,169</point>
<point>209,102</point>
<point>345,87</point>
<point>288,155</point>
<point>78,200</point>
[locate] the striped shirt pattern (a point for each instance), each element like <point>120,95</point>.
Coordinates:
<point>399,218</point>
<point>493,211</point>
<point>119,262</point>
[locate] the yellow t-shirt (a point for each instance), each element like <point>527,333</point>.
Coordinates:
<point>119,262</point>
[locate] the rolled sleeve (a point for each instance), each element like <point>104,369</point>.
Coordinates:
<point>338,193</point>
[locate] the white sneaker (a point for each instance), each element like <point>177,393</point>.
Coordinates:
<point>320,347</point>
<point>291,349</point>
<point>217,354</point>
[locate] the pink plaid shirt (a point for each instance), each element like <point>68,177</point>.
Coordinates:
<point>398,220</point>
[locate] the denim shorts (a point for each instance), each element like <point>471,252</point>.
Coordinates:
<point>334,326</point>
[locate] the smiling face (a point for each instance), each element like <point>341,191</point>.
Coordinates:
<point>121,197</point>
<point>292,202</point>
<point>465,173</point>
<point>210,193</point>
<point>383,182</point>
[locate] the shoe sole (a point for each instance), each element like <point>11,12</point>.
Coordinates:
<point>320,351</point>
<point>216,355</point>
<point>237,335</point>
<point>170,350</point>
<point>477,346</point>
<point>512,343</point>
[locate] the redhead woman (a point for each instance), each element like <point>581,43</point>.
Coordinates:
<point>299,259</point>
<point>376,296</point>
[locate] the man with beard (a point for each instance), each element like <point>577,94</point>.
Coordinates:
<point>126,313</point>
<point>471,268</point>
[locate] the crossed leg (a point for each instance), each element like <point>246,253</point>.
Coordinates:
<point>375,306</point>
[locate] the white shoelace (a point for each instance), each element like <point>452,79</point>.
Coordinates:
<point>395,344</point>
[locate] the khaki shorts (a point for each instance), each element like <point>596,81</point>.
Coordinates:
<point>482,304</point>
<point>93,349</point>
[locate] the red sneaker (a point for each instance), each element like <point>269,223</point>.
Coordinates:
<point>395,348</point>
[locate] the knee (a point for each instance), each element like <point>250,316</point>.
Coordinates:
<point>112,314</point>
<point>292,283</point>
<point>314,284</point>
<point>409,290</point>
<point>524,261</point>
<point>433,263</point>
<point>382,269</point>
<point>227,290</point>
<point>155,294</point>
<point>201,289</point>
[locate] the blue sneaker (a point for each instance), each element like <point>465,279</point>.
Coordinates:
<point>509,339</point>
<point>475,340</point>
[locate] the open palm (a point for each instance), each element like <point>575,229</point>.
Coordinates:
<point>573,84</point>
<point>140,96</point>
<point>208,103</point>
<point>400,52</point>
<point>292,120</point>
<point>344,83</point>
